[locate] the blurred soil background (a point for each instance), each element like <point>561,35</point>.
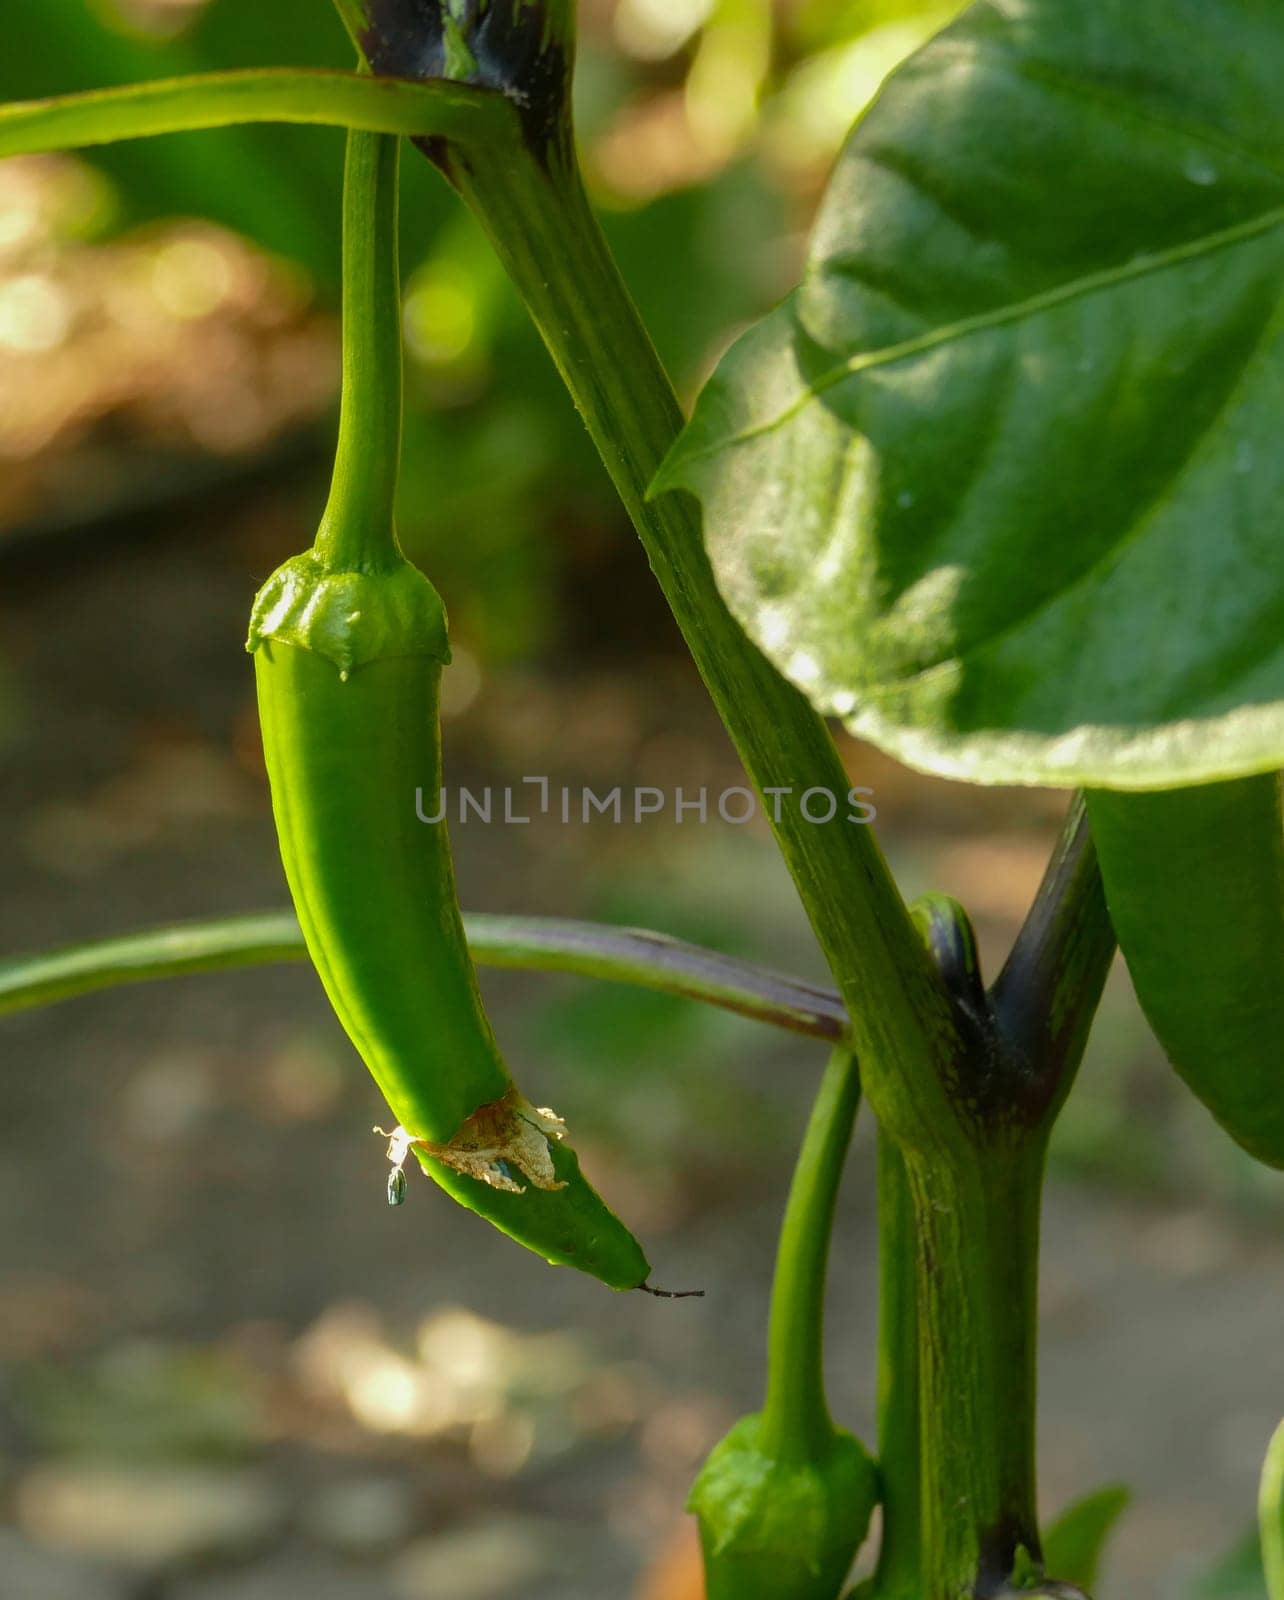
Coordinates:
<point>227,1370</point>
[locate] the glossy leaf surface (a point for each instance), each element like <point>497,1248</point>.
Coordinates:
<point>1000,484</point>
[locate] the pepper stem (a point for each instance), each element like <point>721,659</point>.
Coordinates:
<point>796,1425</point>
<point>357,531</point>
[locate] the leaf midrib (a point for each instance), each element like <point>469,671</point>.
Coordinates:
<point>986,321</point>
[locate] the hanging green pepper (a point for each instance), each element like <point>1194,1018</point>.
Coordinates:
<point>784,1501</point>
<point>349,642</point>
<point>1195,884</point>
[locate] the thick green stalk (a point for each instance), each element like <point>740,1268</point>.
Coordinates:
<point>220,99</point>
<point>356,529</point>
<point>978,1236</point>
<point>898,1409</point>
<point>796,1425</point>
<point>976,1222</point>
<point>544,231</point>
<point>544,944</point>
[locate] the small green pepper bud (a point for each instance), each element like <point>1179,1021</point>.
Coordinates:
<point>784,1501</point>
<point>781,1530</point>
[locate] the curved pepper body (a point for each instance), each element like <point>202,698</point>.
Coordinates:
<point>372,885</point>
<point>348,667</point>
<point>1194,880</point>
<point>570,1225</point>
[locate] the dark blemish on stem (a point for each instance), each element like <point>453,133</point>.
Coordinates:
<point>998,1557</point>
<point>994,1086</point>
<point>1045,997</point>
<point>508,46</point>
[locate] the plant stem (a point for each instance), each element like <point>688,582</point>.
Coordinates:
<point>976,1221</point>
<point>545,233</point>
<point>898,1420</point>
<point>796,1425</point>
<point>219,99</point>
<point>356,529</point>
<point>977,1226</point>
<point>546,944</point>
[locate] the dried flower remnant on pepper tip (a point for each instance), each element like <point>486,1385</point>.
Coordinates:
<point>505,1134</point>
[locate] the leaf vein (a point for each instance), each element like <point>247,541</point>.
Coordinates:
<point>988,321</point>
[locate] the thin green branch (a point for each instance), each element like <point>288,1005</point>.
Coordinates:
<point>356,530</point>
<point>796,1425</point>
<point>545,944</point>
<point>218,99</point>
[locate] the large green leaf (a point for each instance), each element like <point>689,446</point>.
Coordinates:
<point>1001,485</point>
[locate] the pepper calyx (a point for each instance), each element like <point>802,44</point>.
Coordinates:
<point>761,1516</point>
<point>351,618</point>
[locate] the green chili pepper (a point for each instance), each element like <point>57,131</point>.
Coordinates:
<point>1194,880</point>
<point>349,642</point>
<point>785,1500</point>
